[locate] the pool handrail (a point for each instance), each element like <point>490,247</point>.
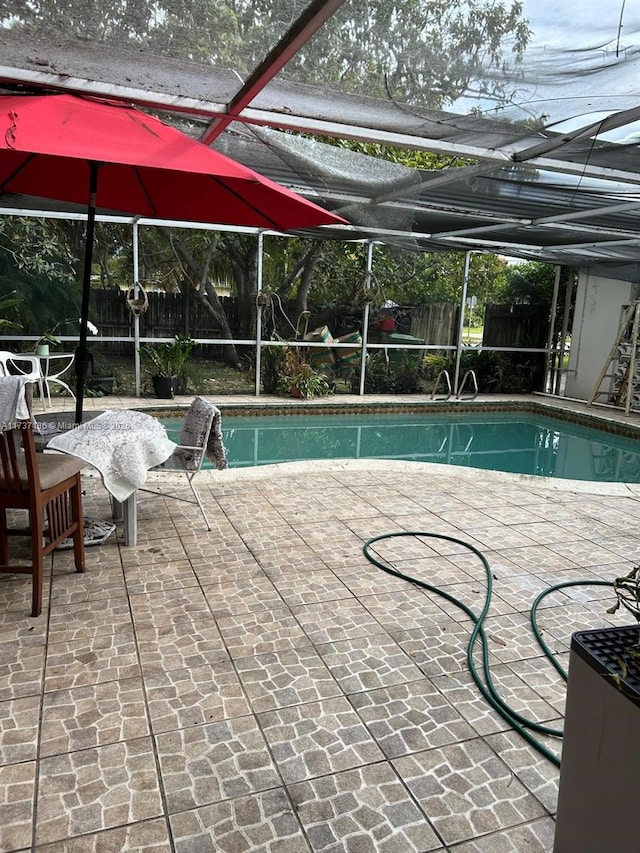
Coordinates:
<point>447,379</point>
<point>469,374</point>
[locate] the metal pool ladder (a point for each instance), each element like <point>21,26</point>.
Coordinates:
<point>471,376</point>
<point>444,378</point>
<point>444,375</point>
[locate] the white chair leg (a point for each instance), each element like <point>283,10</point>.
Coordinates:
<point>43,399</point>
<point>198,501</point>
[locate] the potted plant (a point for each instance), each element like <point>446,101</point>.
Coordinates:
<point>298,378</point>
<point>49,339</point>
<point>44,344</point>
<point>271,367</point>
<point>164,363</point>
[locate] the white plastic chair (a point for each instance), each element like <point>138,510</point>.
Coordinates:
<point>190,453</point>
<point>25,364</point>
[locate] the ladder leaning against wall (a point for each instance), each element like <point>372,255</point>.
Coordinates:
<point>619,379</point>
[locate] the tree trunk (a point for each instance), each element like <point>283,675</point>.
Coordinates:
<point>304,268</point>
<point>206,293</point>
<point>243,255</point>
<point>302,295</point>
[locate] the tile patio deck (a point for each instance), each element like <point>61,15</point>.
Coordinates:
<point>263,687</point>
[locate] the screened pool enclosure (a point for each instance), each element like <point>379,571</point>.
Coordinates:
<point>530,107</point>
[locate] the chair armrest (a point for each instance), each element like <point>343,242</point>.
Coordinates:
<point>184,458</point>
<point>35,372</point>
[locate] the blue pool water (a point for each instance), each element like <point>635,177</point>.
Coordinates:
<point>518,443</point>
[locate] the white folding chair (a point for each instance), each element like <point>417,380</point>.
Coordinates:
<point>190,453</point>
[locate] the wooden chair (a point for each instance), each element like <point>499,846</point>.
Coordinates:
<point>45,485</point>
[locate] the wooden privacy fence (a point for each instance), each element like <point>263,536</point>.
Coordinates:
<point>436,323</point>
<point>516,326</point>
<point>168,314</point>
<point>520,326</point>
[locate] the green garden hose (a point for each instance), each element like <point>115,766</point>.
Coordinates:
<point>521,724</point>
<point>534,613</point>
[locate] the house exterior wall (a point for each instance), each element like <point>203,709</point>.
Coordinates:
<point>598,312</point>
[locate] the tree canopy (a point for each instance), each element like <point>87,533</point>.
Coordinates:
<point>37,263</point>
<point>425,52</point>
<point>531,282</point>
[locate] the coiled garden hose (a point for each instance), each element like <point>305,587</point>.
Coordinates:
<point>518,722</point>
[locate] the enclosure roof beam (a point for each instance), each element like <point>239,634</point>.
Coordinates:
<point>303,28</point>
<point>200,108</point>
<point>606,210</point>
<point>597,128</point>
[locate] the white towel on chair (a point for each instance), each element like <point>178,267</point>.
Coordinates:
<point>13,401</point>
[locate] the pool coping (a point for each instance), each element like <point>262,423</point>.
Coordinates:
<point>435,469</point>
<point>553,409</point>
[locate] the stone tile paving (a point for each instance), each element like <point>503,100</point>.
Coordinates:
<point>193,697</point>
<point>466,790</point>
<point>404,608</point>
<point>242,595</point>
<point>365,663</point>
<point>92,716</point>
<point>262,687</point>
<point>261,823</point>
<point>317,738</point>
<point>17,800</point>
<point>366,809</point>
<point>98,788</point>
<point>262,631</point>
<point>184,645</point>
<point>342,619</point>
<point>285,678</point>
<point>220,761</point>
<point>91,660</point>
<point>304,587</point>
<point>410,717</point>
<point>460,691</point>
<point>437,649</point>
<point>19,719</point>
<point>150,578</point>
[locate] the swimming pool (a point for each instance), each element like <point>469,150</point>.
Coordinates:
<point>520,443</point>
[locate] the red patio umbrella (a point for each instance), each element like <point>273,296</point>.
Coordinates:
<point>115,158</point>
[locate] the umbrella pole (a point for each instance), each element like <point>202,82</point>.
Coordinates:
<point>136,314</point>
<point>82,352</point>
